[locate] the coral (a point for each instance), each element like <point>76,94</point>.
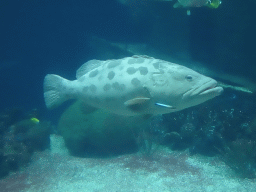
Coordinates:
<point>225,127</point>
<point>4,171</point>
<point>34,135</point>
<point>20,137</point>
<point>39,136</point>
<point>9,117</point>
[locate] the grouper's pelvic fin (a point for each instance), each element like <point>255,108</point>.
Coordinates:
<point>137,104</point>
<point>54,94</point>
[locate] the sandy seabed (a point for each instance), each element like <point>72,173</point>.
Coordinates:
<point>56,171</point>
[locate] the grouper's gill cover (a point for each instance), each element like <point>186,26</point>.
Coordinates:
<point>132,86</point>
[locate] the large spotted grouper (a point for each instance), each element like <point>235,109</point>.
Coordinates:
<point>132,86</point>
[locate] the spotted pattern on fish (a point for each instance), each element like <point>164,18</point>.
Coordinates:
<point>121,85</point>
<point>93,73</point>
<point>118,87</point>
<point>135,60</point>
<point>131,61</point>
<point>111,75</point>
<point>143,70</point>
<point>135,82</point>
<point>113,63</point>
<point>140,60</point>
<point>107,87</point>
<point>93,88</point>
<point>131,70</point>
<point>156,65</point>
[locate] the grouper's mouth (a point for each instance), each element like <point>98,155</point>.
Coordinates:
<point>210,88</point>
<point>203,92</point>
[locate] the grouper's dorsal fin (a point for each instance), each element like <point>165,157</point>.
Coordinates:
<point>88,66</point>
<point>142,56</point>
<point>137,104</point>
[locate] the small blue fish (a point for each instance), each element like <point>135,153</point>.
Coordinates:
<point>164,105</point>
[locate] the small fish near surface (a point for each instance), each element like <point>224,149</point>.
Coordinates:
<point>197,3</point>
<point>138,85</point>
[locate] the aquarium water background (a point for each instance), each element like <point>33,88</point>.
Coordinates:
<point>39,37</point>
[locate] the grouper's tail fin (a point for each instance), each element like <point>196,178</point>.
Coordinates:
<point>54,90</point>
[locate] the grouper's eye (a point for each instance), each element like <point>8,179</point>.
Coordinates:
<point>189,77</point>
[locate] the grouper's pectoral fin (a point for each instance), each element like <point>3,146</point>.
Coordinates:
<point>137,104</point>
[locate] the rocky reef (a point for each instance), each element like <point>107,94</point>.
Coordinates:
<point>20,136</point>
<point>224,127</point>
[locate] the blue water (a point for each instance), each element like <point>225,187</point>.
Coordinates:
<point>41,37</point>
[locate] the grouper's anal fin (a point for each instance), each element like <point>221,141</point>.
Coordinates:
<point>137,104</point>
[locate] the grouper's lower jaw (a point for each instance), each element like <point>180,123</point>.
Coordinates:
<point>209,89</point>
<point>202,93</point>
<point>215,91</point>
